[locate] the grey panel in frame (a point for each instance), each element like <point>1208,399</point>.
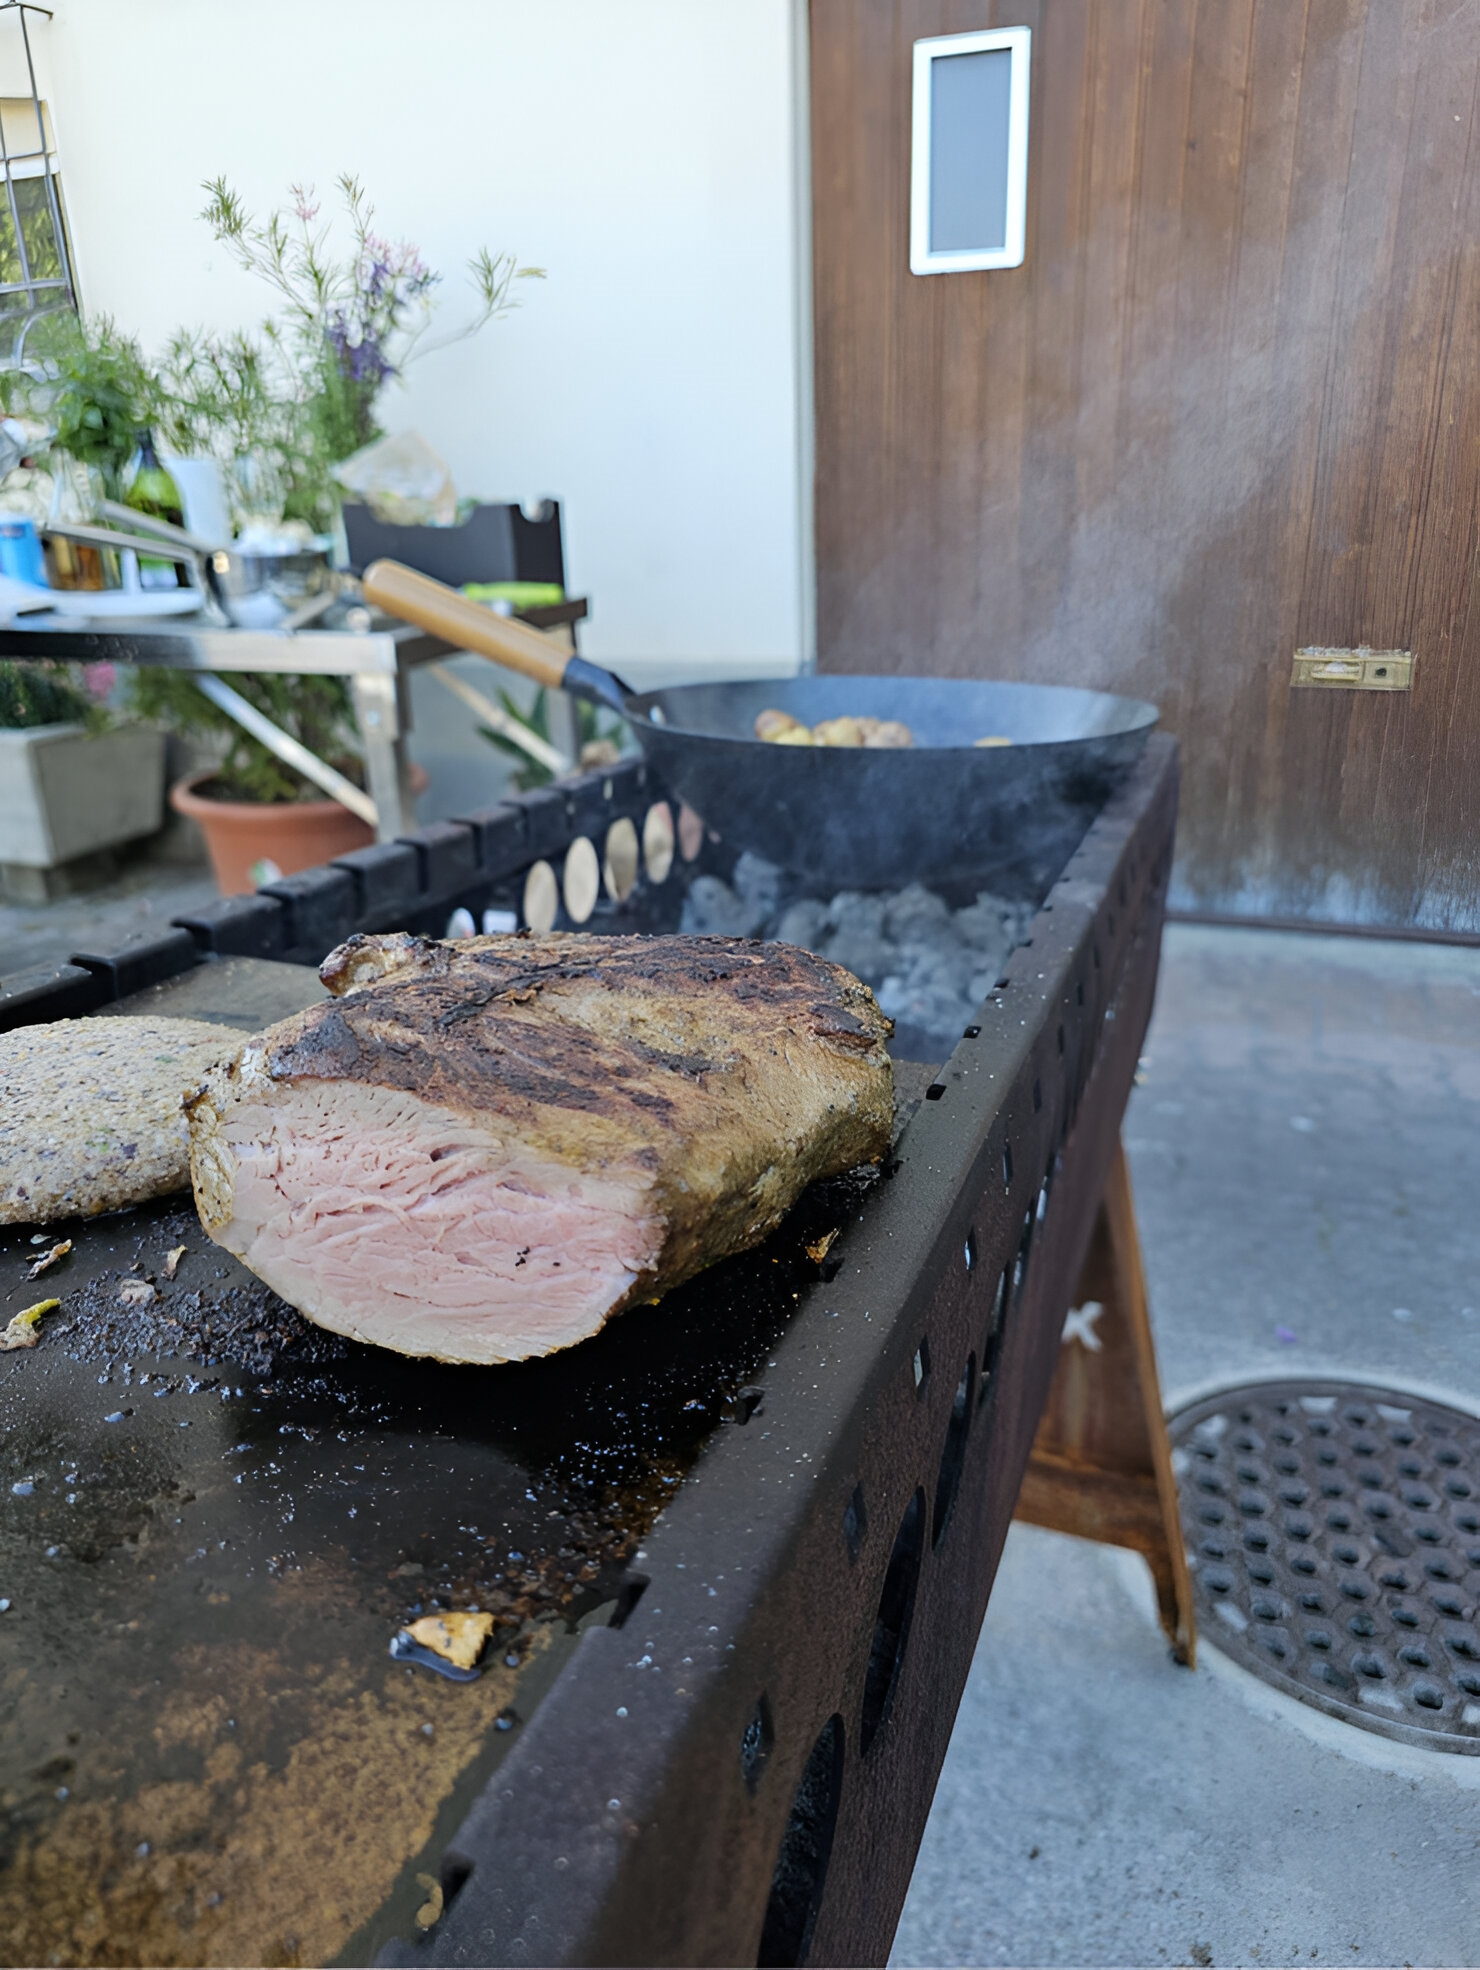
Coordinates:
<point>969,166</point>
<point>968,151</point>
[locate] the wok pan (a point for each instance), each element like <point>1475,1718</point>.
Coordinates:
<point>944,810</point>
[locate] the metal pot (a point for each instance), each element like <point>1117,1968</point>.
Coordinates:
<point>254,591</point>
<point>257,590</point>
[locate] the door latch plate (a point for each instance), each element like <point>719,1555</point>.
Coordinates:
<point>1361,669</point>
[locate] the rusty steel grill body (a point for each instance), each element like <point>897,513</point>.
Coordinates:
<point>735,1760</point>
<point>1334,1535</point>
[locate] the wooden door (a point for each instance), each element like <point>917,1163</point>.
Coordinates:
<point>1228,407</point>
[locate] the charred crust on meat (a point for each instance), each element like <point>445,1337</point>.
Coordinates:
<point>525,963</point>
<point>459,1022</point>
<point>325,1047</point>
<point>365,960</point>
<point>694,1066</point>
<point>843,1028</point>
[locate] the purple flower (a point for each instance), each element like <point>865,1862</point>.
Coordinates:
<point>391,269</point>
<point>358,353</point>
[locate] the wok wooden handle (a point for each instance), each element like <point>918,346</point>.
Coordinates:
<point>469,625</point>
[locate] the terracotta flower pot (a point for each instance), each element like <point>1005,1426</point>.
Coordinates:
<point>292,834</point>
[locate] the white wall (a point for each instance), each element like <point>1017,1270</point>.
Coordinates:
<point>644,151</point>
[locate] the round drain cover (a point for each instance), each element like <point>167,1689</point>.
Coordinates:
<point>1334,1538</point>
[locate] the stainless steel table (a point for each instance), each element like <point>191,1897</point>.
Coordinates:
<point>376,655</point>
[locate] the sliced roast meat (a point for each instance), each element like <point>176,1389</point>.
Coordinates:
<point>481,1150</point>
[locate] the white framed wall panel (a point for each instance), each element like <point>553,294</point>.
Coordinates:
<point>969,151</point>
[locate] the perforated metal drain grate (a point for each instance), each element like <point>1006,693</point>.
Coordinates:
<point>1334,1537</point>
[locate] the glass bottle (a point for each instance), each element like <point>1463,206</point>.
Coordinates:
<point>76,493</point>
<point>154,492</point>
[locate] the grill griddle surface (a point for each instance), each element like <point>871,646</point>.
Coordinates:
<point>213,1519</point>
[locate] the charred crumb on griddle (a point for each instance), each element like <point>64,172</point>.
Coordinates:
<point>585,1569</point>
<point>241,1323</point>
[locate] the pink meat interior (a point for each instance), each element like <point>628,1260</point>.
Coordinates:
<point>398,1222</point>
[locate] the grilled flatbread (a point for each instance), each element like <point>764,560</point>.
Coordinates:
<point>90,1112</point>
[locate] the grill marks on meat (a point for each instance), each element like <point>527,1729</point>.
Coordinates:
<point>481,1150</point>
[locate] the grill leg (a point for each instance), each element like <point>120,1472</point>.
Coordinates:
<point>1101,1466</point>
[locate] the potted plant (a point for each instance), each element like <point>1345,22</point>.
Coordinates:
<point>285,408</point>
<point>350,322</point>
<point>279,410</point>
<point>73,781</point>
<point>600,739</point>
<point>97,392</point>
<point>259,817</point>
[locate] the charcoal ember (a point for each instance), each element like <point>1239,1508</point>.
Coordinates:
<point>858,914</point>
<point>763,884</point>
<point>992,924</point>
<point>943,967</point>
<point>933,1008</point>
<point>803,923</point>
<point>915,912</point>
<point>712,909</point>
<point>867,956</point>
<point>930,966</point>
<point>854,935</point>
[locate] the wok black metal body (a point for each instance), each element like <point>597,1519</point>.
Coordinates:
<point>1004,817</point>
<point>737,1766</point>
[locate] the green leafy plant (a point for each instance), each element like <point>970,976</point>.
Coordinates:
<point>350,320</point>
<point>294,398</point>
<point>314,710</point>
<point>297,395</point>
<point>96,392</point>
<point>601,740</point>
<point>218,396</point>
<point>232,398</point>
<point>33,694</point>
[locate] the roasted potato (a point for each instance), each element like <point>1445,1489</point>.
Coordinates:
<point>771,724</point>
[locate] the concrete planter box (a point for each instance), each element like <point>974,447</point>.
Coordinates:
<point>65,793</point>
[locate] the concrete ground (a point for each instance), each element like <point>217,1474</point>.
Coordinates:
<point>1305,1149</point>
<point>138,902</point>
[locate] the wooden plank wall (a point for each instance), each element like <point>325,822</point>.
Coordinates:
<point>1228,407</point>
